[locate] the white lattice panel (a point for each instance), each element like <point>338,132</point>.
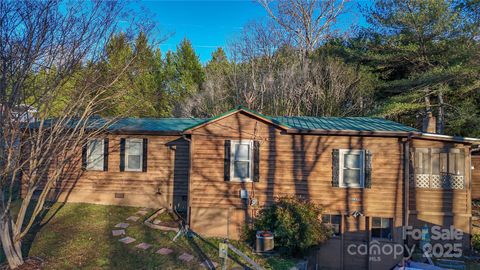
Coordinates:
<point>452,181</point>
<point>457,182</point>
<point>436,181</point>
<point>422,181</point>
<point>445,181</point>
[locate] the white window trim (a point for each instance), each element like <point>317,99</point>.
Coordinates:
<point>89,164</point>
<point>232,161</point>
<point>127,142</point>
<point>341,181</point>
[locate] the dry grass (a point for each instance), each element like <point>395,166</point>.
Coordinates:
<point>78,236</point>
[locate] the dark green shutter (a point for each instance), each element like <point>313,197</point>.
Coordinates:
<point>335,167</point>
<point>226,161</point>
<point>122,154</point>
<point>256,161</point>
<point>105,154</point>
<point>84,156</point>
<point>368,169</point>
<point>145,155</point>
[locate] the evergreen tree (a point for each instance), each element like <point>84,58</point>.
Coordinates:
<point>183,74</point>
<point>216,95</point>
<point>142,78</point>
<point>421,50</point>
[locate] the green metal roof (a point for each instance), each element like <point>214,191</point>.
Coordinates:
<point>154,124</point>
<point>343,124</point>
<point>303,123</point>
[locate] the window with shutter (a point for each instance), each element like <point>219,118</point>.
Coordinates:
<point>226,161</point>
<point>368,169</point>
<point>335,167</point>
<point>133,155</point>
<point>241,160</point>
<point>352,168</point>
<point>105,154</point>
<point>256,161</point>
<point>144,155</point>
<point>95,155</point>
<point>122,154</point>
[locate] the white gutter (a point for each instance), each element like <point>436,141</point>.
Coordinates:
<point>447,137</point>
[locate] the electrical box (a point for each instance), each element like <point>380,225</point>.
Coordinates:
<point>243,194</point>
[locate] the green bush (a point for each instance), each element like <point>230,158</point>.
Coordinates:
<point>476,241</point>
<point>295,223</point>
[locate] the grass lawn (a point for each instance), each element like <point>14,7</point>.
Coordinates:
<point>80,236</point>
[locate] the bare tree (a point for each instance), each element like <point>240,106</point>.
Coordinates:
<point>271,76</point>
<point>52,86</point>
<point>309,21</point>
<point>255,55</point>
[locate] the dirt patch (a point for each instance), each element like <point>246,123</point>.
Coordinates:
<point>163,220</point>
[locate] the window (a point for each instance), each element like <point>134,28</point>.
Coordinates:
<point>422,166</point>
<point>133,154</point>
<point>352,171</point>
<point>456,162</point>
<point>382,228</point>
<point>439,168</point>
<point>241,165</point>
<point>95,154</point>
<point>334,222</point>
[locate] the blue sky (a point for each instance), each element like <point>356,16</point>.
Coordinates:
<point>210,24</point>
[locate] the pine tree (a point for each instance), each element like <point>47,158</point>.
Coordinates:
<point>183,74</point>
<point>142,80</point>
<point>421,50</point>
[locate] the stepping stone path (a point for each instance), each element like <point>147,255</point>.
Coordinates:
<point>133,218</point>
<point>118,232</point>
<point>164,251</point>
<point>122,225</point>
<point>185,257</point>
<point>143,246</point>
<point>127,240</point>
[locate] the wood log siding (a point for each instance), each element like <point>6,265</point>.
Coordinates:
<point>442,206</point>
<point>293,165</point>
<point>476,177</point>
<point>166,176</point>
<point>441,200</point>
<point>301,165</point>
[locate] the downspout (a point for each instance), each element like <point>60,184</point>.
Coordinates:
<point>471,190</point>
<point>190,144</point>
<point>406,190</point>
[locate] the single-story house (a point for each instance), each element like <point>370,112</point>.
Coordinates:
<point>371,176</point>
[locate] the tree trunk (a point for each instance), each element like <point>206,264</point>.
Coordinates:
<point>11,248</point>
<point>441,114</point>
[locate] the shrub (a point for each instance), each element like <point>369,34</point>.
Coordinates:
<point>295,223</point>
<point>476,241</point>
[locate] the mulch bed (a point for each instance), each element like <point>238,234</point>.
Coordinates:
<point>31,263</point>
